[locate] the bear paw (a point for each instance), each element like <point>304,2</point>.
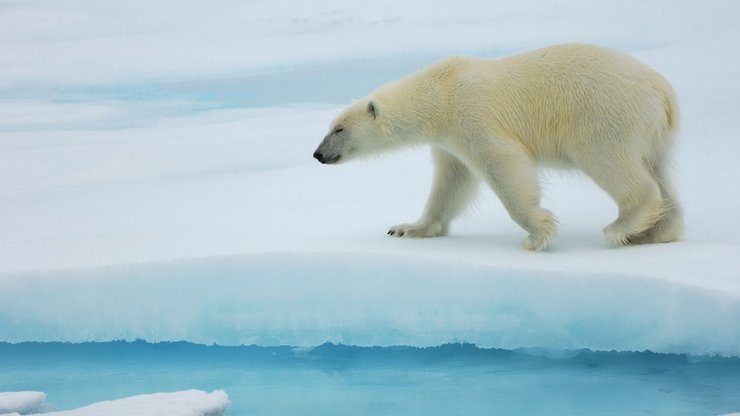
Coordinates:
<point>418,230</point>
<point>616,234</point>
<point>536,242</point>
<point>542,226</point>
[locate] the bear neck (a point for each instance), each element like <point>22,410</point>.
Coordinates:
<point>414,107</point>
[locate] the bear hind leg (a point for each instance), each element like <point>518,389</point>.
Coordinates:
<point>453,187</point>
<point>670,226</point>
<point>637,195</point>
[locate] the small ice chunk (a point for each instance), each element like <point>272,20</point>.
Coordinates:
<point>21,402</point>
<point>181,403</point>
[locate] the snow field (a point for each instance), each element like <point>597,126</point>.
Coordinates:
<point>119,174</point>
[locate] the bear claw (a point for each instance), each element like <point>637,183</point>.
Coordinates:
<point>418,230</point>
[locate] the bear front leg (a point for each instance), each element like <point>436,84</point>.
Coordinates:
<point>453,187</point>
<point>512,174</point>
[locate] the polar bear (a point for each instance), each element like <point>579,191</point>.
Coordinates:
<point>574,106</point>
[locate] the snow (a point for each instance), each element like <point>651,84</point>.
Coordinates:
<point>156,182</point>
<point>183,403</point>
<point>21,402</point>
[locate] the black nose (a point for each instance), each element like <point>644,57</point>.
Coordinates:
<point>318,156</point>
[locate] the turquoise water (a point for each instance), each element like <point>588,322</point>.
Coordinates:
<point>459,379</point>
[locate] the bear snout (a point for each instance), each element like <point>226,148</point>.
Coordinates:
<point>330,150</point>
<point>324,159</point>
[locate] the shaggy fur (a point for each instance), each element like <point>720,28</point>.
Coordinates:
<point>573,106</point>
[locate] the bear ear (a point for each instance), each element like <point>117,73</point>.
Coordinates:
<point>372,108</point>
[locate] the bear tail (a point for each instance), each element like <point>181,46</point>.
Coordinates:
<point>671,109</point>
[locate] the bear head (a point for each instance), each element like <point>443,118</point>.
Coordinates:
<point>363,129</point>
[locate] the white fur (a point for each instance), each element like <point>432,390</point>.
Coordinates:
<point>577,106</point>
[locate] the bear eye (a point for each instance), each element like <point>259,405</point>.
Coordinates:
<point>338,129</point>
